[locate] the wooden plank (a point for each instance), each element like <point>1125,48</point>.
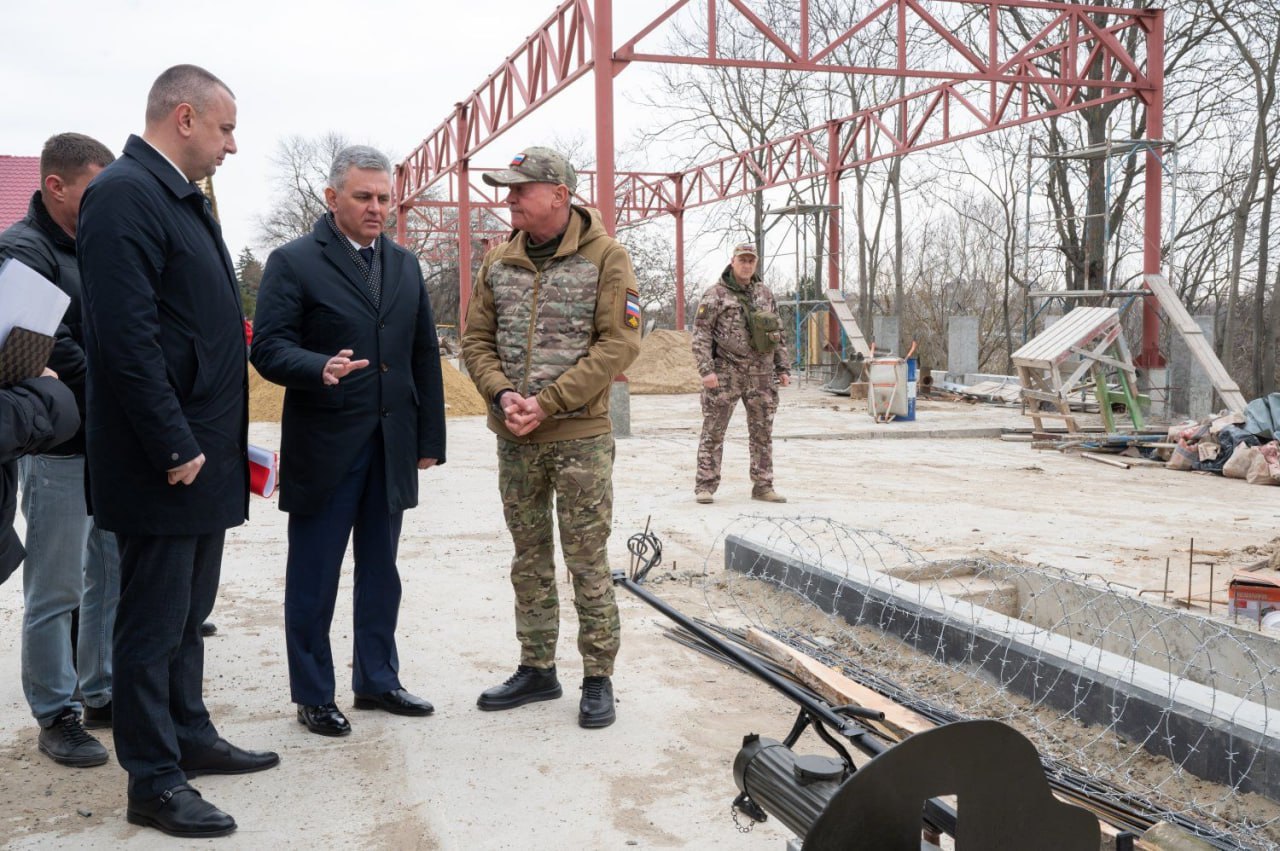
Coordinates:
<point>837,689</point>
<point>845,317</point>
<point>1173,307</point>
<point>1106,459</point>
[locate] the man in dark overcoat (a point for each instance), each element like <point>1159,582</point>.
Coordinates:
<point>344,324</point>
<point>167,431</point>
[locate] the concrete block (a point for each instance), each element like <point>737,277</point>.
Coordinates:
<point>886,334</point>
<point>962,345</point>
<point>1191,392</point>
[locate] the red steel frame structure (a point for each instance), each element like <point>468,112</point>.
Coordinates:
<point>1075,61</point>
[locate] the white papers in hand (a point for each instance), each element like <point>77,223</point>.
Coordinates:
<point>29,300</point>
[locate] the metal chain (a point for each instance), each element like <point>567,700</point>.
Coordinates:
<point>750,825</point>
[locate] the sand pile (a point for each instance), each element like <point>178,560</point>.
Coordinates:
<point>461,398</point>
<point>266,400</point>
<point>665,364</point>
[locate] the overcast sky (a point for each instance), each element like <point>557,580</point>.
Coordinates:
<point>385,72</point>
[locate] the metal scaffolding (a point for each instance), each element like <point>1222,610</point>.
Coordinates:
<point>1075,61</point>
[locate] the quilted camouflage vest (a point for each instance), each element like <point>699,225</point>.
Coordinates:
<point>545,319</point>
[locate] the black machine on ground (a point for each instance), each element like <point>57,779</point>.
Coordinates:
<point>1003,799</point>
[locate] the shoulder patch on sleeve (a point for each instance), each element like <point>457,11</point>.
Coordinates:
<point>632,313</point>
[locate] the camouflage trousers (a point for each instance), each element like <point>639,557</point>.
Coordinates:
<point>577,475</point>
<point>760,397</point>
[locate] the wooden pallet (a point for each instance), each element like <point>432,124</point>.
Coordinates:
<point>1182,322</point>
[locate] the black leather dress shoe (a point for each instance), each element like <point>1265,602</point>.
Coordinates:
<point>180,811</point>
<point>208,628</point>
<point>325,719</point>
<point>226,758</point>
<point>397,701</point>
<point>526,685</point>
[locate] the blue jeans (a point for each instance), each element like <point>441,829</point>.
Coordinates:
<point>69,564</point>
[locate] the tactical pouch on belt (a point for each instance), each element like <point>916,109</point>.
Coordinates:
<point>763,325</point>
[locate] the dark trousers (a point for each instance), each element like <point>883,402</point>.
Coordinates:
<point>317,544</point>
<point>167,588</point>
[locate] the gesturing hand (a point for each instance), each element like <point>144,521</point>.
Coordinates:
<point>341,365</point>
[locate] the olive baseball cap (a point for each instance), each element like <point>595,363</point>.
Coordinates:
<point>535,165</point>
<point>745,248</point>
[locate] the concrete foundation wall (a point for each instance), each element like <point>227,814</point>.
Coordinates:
<point>1222,656</point>
<point>1211,734</point>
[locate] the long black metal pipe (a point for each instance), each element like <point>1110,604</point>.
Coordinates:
<point>938,812</point>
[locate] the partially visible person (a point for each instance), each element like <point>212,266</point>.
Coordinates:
<point>344,324</point>
<point>555,316</point>
<point>737,343</point>
<point>71,563</point>
<point>167,437</point>
<point>35,415</point>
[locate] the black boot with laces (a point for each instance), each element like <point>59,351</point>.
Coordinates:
<point>66,742</point>
<point>596,707</point>
<point>526,685</point>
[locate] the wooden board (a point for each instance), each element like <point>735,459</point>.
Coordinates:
<point>1181,320</point>
<point>845,317</point>
<point>836,688</point>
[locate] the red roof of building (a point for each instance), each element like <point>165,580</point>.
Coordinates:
<point>19,177</point>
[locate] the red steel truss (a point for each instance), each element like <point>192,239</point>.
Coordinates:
<point>1076,60</point>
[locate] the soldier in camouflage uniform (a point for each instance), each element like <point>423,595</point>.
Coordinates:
<point>554,316</point>
<point>739,362</point>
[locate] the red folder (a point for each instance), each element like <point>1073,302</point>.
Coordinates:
<point>264,465</point>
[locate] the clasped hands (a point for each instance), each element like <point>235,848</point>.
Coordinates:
<point>522,413</point>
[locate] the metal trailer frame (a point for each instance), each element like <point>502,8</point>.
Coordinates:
<point>1082,43</point>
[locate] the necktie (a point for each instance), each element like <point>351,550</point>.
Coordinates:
<point>366,254</point>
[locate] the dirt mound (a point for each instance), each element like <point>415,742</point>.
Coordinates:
<point>461,398</point>
<point>266,400</point>
<point>665,364</point>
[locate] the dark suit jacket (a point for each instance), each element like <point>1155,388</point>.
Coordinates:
<point>312,303</point>
<point>164,339</point>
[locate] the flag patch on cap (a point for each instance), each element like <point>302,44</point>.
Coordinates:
<point>516,161</point>
<point>633,309</point>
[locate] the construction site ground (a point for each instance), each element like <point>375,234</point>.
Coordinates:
<point>661,777</point>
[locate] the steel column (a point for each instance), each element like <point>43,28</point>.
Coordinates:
<point>833,228</point>
<point>464,227</point>
<point>678,212</point>
<point>602,46</point>
<point>1150,356</point>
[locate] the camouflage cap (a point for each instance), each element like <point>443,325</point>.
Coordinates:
<point>535,165</point>
<point>745,248</point>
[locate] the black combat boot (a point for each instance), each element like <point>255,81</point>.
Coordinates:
<point>596,707</point>
<point>526,685</point>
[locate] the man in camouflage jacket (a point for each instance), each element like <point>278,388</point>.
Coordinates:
<point>554,316</point>
<point>733,368</point>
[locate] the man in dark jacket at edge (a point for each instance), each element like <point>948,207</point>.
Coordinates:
<point>35,415</point>
<point>167,437</point>
<point>71,564</point>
